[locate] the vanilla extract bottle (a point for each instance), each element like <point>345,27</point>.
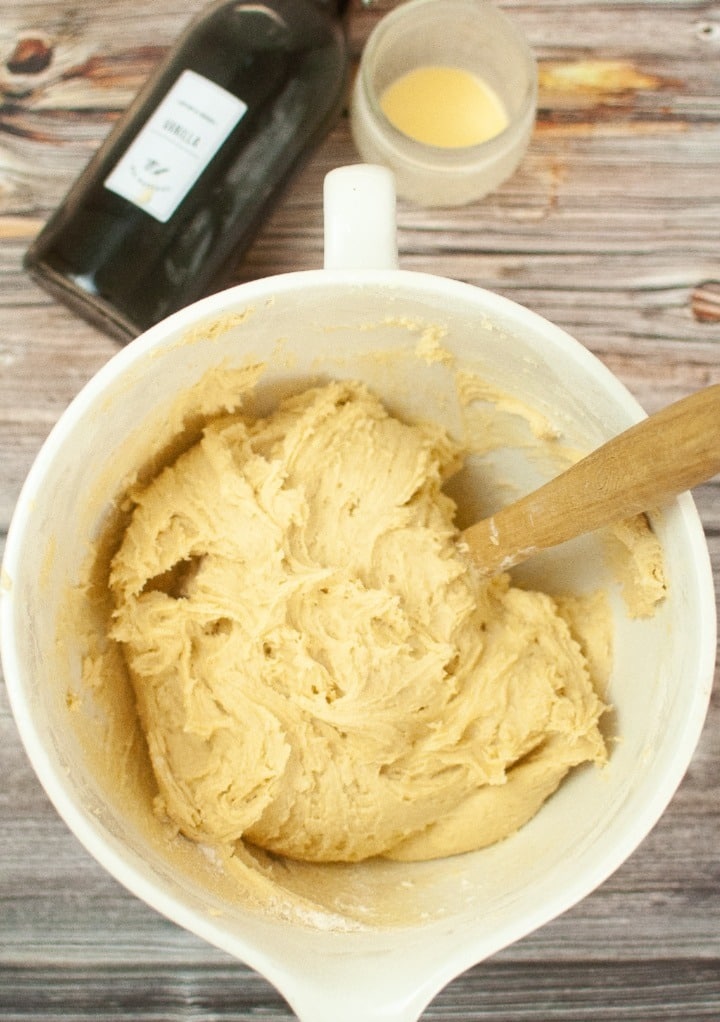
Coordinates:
<point>174,196</point>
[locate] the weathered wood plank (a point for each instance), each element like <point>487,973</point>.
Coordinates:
<point>611,228</point>
<point>616,991</point>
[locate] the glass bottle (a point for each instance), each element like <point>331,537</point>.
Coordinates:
<point>176,193</point>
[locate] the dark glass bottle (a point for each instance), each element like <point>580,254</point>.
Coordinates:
<point>163,211</point>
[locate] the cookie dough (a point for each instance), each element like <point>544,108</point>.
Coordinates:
<point>318,670</point>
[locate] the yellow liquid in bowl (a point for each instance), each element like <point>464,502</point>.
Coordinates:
<point>442,106</point>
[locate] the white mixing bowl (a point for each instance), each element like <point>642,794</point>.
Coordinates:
<point>360,317</point>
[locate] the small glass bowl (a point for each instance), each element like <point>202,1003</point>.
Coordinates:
<point>470,34</point>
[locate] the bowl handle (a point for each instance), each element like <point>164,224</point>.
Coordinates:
<point>359,213</point>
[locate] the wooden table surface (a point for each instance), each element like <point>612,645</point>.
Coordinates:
<point>611,228</point>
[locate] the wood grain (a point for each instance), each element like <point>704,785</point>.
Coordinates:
<point>610,228</point>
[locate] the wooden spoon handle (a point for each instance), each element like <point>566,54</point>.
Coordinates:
<point>636,471</point>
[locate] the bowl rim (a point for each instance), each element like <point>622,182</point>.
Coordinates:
<point>108,852</point>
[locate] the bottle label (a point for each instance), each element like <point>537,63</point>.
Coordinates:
<point>175,145</point>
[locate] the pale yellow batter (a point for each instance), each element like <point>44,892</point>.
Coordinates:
<point>318,670</point>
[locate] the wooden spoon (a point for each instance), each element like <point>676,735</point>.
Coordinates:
<point>636,471</point>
